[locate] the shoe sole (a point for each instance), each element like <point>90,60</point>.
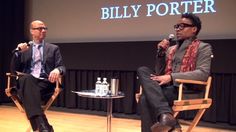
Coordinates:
<point>157,127</point>
<point>176,130</point>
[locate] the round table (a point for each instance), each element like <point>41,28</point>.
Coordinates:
<point>109,98</point>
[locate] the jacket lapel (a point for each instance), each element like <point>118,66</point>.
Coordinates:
<point>45,52</point>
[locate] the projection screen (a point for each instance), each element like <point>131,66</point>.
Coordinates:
<point>133,20</point>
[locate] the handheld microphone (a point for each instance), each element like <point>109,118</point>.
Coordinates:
<point>170,39</point>
<point>161,49</point>
<point>19,49</point>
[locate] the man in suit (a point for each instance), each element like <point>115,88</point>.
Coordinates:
<point>42,64</point>
<point>189,58</point>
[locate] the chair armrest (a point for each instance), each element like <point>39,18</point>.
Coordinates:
<point>186,81</point>
<point>8,88</point>
<point>58,82</point>
<point>138,95</point>
<point>8,74</point>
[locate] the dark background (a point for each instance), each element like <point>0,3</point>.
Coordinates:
<point>86,61</point>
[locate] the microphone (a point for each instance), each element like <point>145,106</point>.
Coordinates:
<point>19,49</point>
<point>171,37</point>
<point>161,49</point>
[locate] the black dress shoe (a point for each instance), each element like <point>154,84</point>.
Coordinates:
<point>46,129</point>
<point>165,124</point>
<point>43,128</point>
<point>51,128</point>
<point>33,123</point>
<point>43,125</point>
<point>176,128</point>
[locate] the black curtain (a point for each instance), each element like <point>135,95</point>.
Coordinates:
<point>223,91</point>
<point>12,32</point>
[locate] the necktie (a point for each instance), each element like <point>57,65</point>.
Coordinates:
<point>37,62</point>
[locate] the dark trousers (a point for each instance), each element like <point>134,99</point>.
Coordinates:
<point>155,99</point>
<point>33,92</point>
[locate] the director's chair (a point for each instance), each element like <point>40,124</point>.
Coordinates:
<point>181,104</point>
<point>11,91</point>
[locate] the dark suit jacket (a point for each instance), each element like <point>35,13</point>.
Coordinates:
<point>51,59</point>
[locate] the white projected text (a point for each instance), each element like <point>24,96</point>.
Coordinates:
<point>158,9</point>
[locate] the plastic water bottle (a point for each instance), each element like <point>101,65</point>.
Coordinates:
<point>105,87</point>
<point>98,86</point>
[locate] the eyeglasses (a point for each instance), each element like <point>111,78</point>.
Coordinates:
<point>181,26</point>
<point>40,28</point>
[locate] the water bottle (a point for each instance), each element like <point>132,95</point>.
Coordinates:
<point>105,87</point>
<point>98,85</point>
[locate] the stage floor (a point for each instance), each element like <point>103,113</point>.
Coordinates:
<point>12,120</point>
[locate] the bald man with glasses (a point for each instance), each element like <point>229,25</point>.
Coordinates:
<point>189,58</point>
<point>42,65</point>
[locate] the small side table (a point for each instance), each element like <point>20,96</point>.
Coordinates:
<point>109,98</point>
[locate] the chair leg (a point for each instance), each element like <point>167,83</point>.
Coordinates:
<point>17,103</point>
<point>51,100</point>
<point>196,119</point>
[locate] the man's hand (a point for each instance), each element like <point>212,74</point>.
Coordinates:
<point>23,47</point>
<point>54,75</point>
<point>164,44</point>
<point>163,79</point>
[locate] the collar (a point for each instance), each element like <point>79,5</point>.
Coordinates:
<point>35,44</point>
<point>188,40</point>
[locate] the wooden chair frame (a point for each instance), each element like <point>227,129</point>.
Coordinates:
<point>17,101</point>
<point>200,104</point>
